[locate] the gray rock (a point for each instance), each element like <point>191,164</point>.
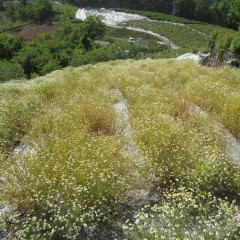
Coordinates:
<point>5,210</point>
<point>233,63</point>
<point>141,197</point>
<point>137,199</point>
<point>102,233</point>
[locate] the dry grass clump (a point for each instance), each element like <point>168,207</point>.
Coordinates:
<point>75,178</point>
<point>76,172</point>
<point>219,93</point>
<point>184,150</point>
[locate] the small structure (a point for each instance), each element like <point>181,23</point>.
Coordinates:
<point>131,40</point>
<point>142,42</point>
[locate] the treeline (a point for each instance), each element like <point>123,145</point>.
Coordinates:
<point>222,12</point>
<point>39,11</point>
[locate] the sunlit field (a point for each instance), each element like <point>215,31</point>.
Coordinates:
<point>75,143</point>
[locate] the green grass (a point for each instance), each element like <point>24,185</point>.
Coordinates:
<point>80,173</point>
<point>160,16</point>
<point>208,28</point>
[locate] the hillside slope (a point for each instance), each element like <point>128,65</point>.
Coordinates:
<point>83,150</point>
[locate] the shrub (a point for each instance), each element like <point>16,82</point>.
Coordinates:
<point>224,40</point>
<point>10,71</point>
<point>9,45</point>
<point>235,46</point>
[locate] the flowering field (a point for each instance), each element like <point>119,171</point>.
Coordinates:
<point>77,144</point>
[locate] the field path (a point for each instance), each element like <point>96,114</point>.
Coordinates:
<point>232,144</point>
<point>142,193</point>
<point>123,128</point>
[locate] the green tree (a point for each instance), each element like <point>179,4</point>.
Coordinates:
<point>33,58</point>
<point>202,9</point>
<point>185,8</point>
<point>43,11</point>
<point>24,2</point>
<point>1,5</point>
<point>9,45</point>
<point>235,46</point>
<point>10,70</point>
<point>219,11</point>
<point>95,28</point>
<point>234,14</point>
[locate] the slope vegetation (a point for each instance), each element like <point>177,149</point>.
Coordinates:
<point>124,149</point>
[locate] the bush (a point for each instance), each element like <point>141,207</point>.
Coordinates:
<point>9,71</point>
<point>224,40</point>
<point>235,46</point>
<point>43,11</point>
<point>9,45</point>
<point>101,54</point>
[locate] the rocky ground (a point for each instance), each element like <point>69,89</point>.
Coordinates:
<point>227,59</point>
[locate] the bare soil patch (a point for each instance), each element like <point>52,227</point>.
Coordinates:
<point>29,32</point>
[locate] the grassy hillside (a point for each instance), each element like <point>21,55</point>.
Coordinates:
<point>190,37</point>
<point>77,143</point>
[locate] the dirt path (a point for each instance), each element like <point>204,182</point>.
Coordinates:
<point>232,144</point>
<point>141,193</point>
<point>123,128</point>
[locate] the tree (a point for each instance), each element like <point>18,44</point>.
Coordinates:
<point>219,11</point>
<point>24,2</point>
<point>185,8</point>
<point>33,58</point>
<point>234,14</point>
<point>9,45</point>
<point>43,11</point>
<point>10,70</point>
<point>202,10</point>
<point>1,5</point>
<point>95,28</point>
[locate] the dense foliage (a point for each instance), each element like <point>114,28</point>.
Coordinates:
<point>223,12</point>
<point>39,11</point>
<point>224,44</point>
